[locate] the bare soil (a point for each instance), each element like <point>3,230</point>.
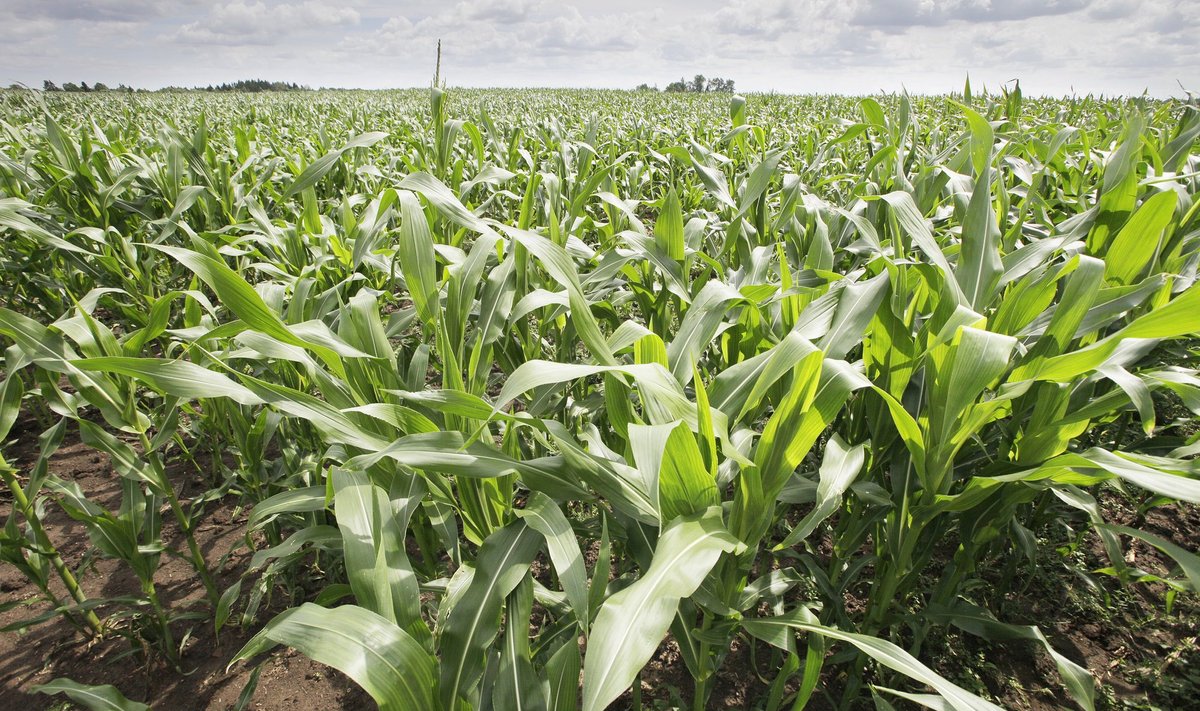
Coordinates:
<point>54,649</point>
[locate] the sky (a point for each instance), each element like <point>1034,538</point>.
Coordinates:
<point>1054,47</point>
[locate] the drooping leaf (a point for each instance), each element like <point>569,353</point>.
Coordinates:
<point>379,656</point>
<point>96,698</point>
<point>632,622</point>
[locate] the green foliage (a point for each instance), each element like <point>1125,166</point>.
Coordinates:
<point>527,382</point>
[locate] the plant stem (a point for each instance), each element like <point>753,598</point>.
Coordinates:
<point>185,522</point>
<point>164,623</point>
<point>22,503</point>
<point>701,683</point>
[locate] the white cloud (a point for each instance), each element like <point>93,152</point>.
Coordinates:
<point>124,11</point>
<point>1111,9</point>
<point>504,12</point>
<point>517,33</point>
<point>908,13</point>
<point>759,20</point>
<point>1054,46</point>
<point>241,22</point>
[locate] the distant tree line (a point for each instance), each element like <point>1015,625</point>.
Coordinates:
<point>48,85</point>
<point>247,85</point>
<point>698,85</point>
<point>254,85</point>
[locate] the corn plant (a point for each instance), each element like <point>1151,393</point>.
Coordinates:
<point>530,382</point>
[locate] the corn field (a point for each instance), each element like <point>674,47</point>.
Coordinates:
<point>516,387</point>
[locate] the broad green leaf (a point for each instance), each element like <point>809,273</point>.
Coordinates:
<point>977,358</point>
<point>1188,561</point>
<point>713,179</point>
<point>1119,185</point>
<point>622,486</point>
<point>300,500</point>
<point>668,228</point>
<point>178,378</point>
<point>12,219</point>
<point>544,516</point>
<point>374,528</point>
<point>982,138</point>
<point>1179,317</point>
<point>818,392</point>
<point>685,483</point>
<point>758,180</point>
<point>445,201</point>
<point>979,265</point>
<point>1131,251</point>
<point>632,622</point>
<point>449,453</point>
<point>741,387</point>
<point>95,698</point>
<point>241,298</point>
<point>563,672</point>
<point>379,656</point>
<point>417,261</point>
<point>1131,468</point>
<point>979,622</point>
<point>839,467</point>
<point>474,621</point>
<point>662,394</point>
<point>918,230</point>
<point>11,391</point>
<point>517,685</point>
<point>1081,290</point>
<point>856,307</point>
<point>321,166</point>
<point>558,263</point>
<point>882,651</point>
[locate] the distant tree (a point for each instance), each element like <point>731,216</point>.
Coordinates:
<point>70,86</point>
<point>646,87</point>
<point>84,87</point>
<point>718,84</point>
<point>48,85</point>
<point>699,85</point>
<point>99,86</point>
<point>256,85</point>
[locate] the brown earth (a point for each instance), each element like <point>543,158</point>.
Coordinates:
<point>54,649</point>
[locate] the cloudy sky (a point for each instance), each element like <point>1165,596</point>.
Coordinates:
<point>850,46</point>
